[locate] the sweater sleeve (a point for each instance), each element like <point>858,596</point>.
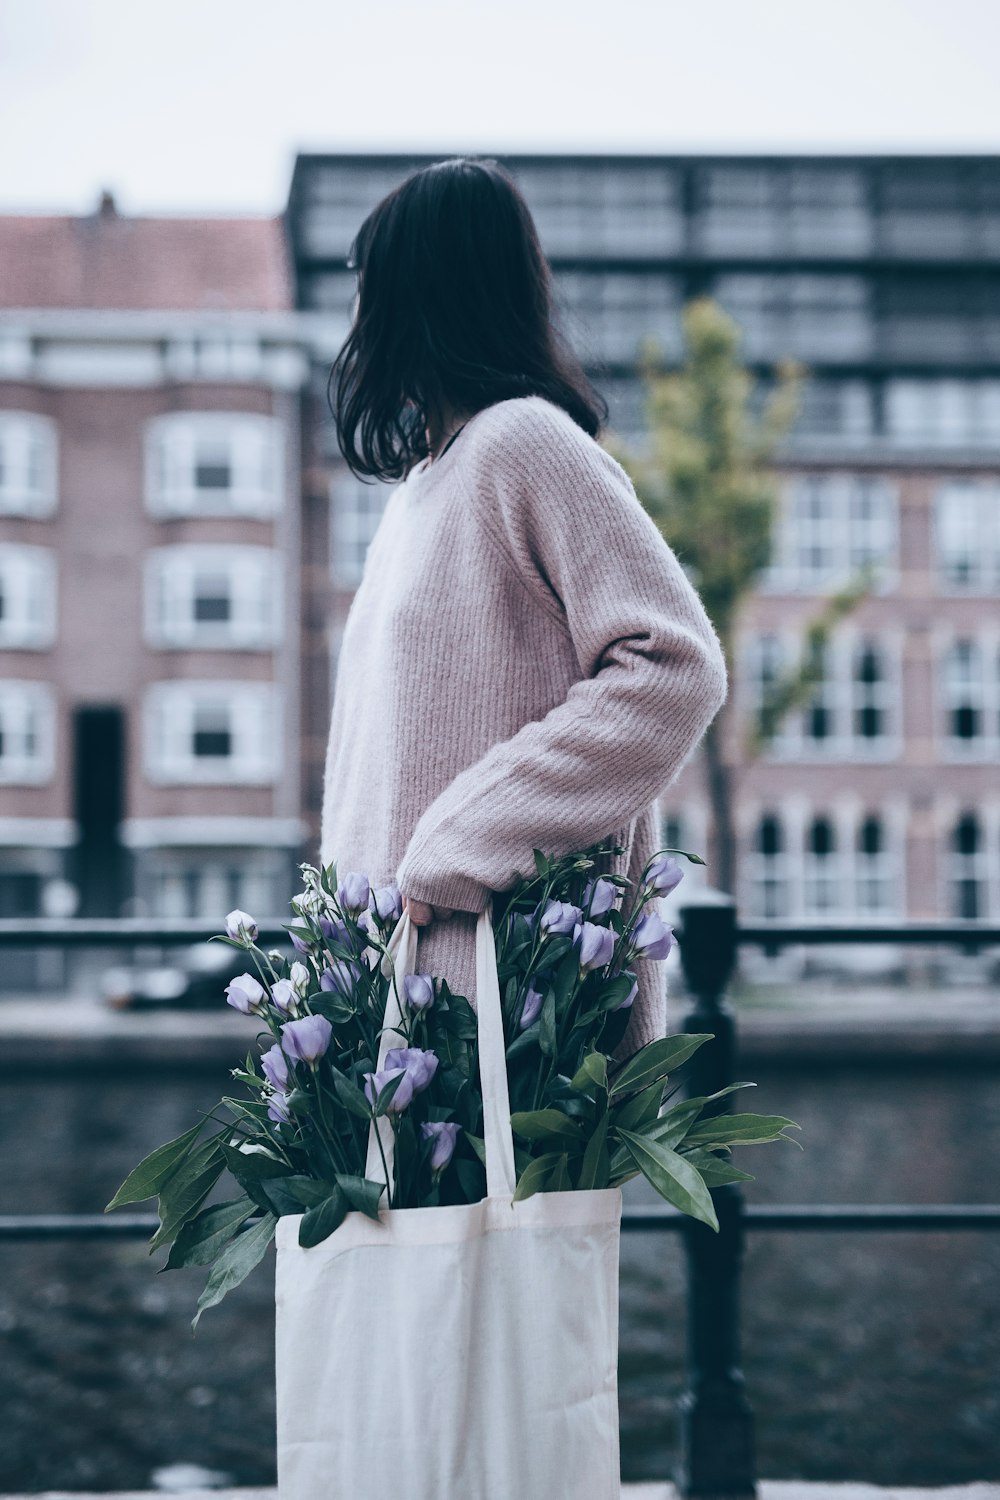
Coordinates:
<point>652,674</point>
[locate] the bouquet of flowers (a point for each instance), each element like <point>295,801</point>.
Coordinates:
<point>297,1141</point>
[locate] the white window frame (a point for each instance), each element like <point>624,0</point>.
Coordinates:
<point>844,530</point>
<point>796,871</point>
<point>27,712</point>
<point>356,510</point>
<point>982,866</point>
<point>254,445</point>
<point>967,539</point>
<point>162,880</point>
<point>28,589</point>
<point>29,464</point>
<point>254,710</point>
<point>255,591</point>
<point>840,692</point>
<point>978,687</point>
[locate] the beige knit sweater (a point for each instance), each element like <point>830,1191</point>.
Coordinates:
<point>524,665</point>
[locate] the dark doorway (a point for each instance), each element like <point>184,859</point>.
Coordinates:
<point>98,806</point>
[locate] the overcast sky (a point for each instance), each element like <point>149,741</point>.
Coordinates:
<point>200,105</point>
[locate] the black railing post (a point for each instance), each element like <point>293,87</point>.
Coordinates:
<point>717,1426</point>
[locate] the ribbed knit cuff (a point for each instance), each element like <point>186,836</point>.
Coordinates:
<point>457,892</point>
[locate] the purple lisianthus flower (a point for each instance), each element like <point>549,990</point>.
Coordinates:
<point>664,875</point>
<point>299,944</point>
<point>560,916</point>
<point>532,1005</point>
<point>421,1065</point>
<point>418,990</point>
<point>341,975</point>
<point>443,1133</point>
<point>333,927</point>
<point>239,924</point>
<point>353,891</point>
<point>597,944</point>
<point>603,897</point>
<point>274,1065</point>
<point>283,995</point>
<point>277,1108</point>
<point>306,1039</point>
<point>652,937</point>
<point>246,994</point>
<point>376,1082</point>
<point>387,901</point>
<point>626,1003</point>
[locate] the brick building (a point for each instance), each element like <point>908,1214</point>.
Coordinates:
<point>150,375</point>
<point>882,275</point>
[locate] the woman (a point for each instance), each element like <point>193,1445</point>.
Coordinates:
<point>525,664</point>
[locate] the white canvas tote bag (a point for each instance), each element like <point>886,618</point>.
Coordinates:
<point>467,1352</point>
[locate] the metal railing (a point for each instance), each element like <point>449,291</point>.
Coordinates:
<point>717,1423</point>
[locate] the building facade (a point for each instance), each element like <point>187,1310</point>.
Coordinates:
<point>150,481</point>
<point>881,799</point>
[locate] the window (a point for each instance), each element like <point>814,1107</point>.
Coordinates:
<point>839,410</point>
<point>967,872</point>
<point>852,713</point>
<point>210,733</point>
<point>27,733</point>
<point>823,891</point>
<point>768,869</point>
<point>943,413</point>
<point>812,210</point>
<point>357,507</point>
<point>830,527</point>
<point>802,317</point>
<point>213,596</point>
<point>872,868</point>
<point>618,210</point>
<point>214,464</point>
<point>967,536</point>
<point>607,314</point>
<point>27,597</point>
<point>28,460</point>
<point>970,684</point>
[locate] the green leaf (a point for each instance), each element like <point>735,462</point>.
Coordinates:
<point>235,1263</point>
<point>547,1024</point>
<point>290,1195</point>
<point>361,1193</point>
<point>640,1109</point>
<point>319,1222</point>
<point>478,1145</point>
<point>593,1069</point>
<point>560,1181</point>
<point>674,1178</point>
<point>535,1175</point>
<point>148,1178</point>
<point>350,1096</point>
<point>186,1188</point>
<point>540,1124</point>
<point>743,1130</point>
<point>541,863</point>
<point>715,1172</point>
<point>202,1237</point>
<point>596,1165</point>
<point>656,1060</point>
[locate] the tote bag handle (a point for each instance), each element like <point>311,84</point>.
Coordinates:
<point>499,1138</point>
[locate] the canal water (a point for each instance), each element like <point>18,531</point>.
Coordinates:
<point>867,1356</point>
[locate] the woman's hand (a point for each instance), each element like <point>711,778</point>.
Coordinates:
<point>421,914</point>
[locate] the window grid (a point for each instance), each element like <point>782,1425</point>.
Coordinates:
<point>969,693</point>
<point>213,596</point>
<point>211,733</point>
<point>829,528</point>
<point>854,711</point>
<point>819,865</point>
<point>214,464</point>
<point>27,733</point>
<point>27,597</point>
<point>28,464</point>
<point>967,536</point>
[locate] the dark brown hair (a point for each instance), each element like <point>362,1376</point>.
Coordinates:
<point>454,313</point>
